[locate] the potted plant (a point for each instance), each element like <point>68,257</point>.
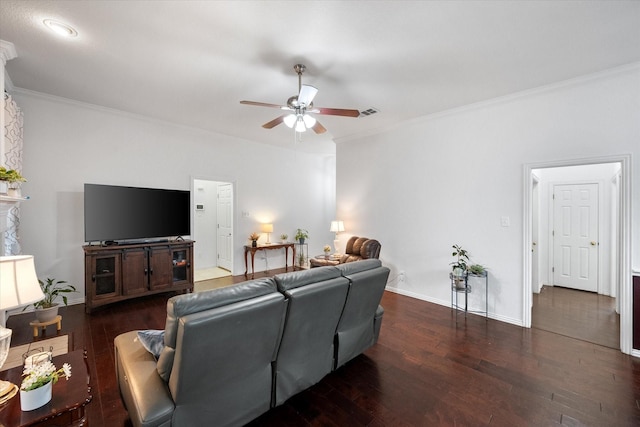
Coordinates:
<point>47,309</point>
<point>477,269</point>
<point>254,239</point>
<point>284,237</point>
<point>459,267</point>
<point>301,235</point>
<point>326,249</point>
<point>35,390</point>
<point>9,180</point>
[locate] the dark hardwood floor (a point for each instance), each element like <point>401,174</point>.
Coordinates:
<point>426,370</point>
<point>577,314</point>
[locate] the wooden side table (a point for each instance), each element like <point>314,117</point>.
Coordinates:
<point>68,401</point>
<point>35,325</point>
<point>253,249</point>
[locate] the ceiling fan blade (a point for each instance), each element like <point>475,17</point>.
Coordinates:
<point>318,128</point>
<point>273,123</point>
<point>335,112</point>
<point>264,104</point>
<point>306,95</point>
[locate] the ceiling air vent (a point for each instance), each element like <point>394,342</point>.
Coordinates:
<point>368,112</point>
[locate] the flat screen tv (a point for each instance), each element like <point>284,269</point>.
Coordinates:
<point>115,214</point>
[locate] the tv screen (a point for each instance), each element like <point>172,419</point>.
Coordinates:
<point>114,213</point>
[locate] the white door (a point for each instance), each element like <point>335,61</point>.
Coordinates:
<point>225,225</point>
<point>575,236</point>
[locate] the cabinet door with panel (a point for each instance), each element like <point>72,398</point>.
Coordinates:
<point>160,268</point>
<point>104,276</point>
<point>181,259</point>
<point>135,270</point>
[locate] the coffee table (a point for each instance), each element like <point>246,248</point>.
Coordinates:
<point>67,405</point>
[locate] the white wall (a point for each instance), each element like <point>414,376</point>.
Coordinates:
<point>450,178</point>
<point>67,144</point>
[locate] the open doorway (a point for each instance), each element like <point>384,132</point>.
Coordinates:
<point>212,229</point>
<point>550,263</point>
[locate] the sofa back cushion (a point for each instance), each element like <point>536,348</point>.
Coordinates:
<point>226,341</point>
<point>356,329</point>
<point>183,305</point>
<point>359,248</point>
<point>315,301</point>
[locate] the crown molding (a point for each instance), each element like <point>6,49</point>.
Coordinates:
<point>633,67</point>
<point>7,51</point>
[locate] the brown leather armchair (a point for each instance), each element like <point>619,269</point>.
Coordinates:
<point>358,248</point>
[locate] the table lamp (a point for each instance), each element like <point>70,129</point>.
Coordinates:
<point>337,227</point>
<point>267,228</point>
<point>19,286</point>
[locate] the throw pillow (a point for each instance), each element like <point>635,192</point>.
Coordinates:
<point>152,340</point>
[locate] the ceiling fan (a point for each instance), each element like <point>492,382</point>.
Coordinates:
<point>299,107</point>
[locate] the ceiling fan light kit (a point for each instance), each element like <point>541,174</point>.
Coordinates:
<point>300,106</point>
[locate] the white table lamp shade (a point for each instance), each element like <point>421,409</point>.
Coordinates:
<point>337,226</point>
<point>267,228</point>
<point>18,282</point>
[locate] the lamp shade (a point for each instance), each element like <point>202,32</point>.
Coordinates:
<point>267,228</point>
<point>18,282</point>
<point>337,226</point>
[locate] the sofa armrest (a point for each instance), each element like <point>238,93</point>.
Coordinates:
<point>145,395</point>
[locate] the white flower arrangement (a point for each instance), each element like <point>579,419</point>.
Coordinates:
<point>39,374</point>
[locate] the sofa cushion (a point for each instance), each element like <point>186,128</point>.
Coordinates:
<point>185,304</point>
<point>356,267</point>
<point>357,328</point>
<point>315,302</point>
<point>296,279</point>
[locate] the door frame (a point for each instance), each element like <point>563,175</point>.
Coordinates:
<point>233,207</point>
<point>624,240</point>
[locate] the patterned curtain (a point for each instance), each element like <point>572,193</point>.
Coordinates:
<point>12,160</point>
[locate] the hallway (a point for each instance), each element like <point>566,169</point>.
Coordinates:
<point>577,314</point>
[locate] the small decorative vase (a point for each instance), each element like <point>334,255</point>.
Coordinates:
<point>14,192</point>
<point>254,243</point>
<point>301,240</point>
<point>46,314</point>
<point>33,399</point>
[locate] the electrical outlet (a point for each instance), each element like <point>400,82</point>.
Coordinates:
<point>401,276</point>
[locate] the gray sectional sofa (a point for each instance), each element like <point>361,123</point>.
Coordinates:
<point>230,354</point>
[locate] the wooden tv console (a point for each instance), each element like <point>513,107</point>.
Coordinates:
<point>119,272</point>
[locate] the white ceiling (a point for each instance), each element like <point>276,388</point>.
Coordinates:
<point>191,62</point>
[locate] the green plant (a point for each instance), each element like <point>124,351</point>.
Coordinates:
<point>51,291</point>
<point>284,237</point>
<point>477,269</point>
<point>301,234</point>
<point>460,266</point>
<point>10,175</point>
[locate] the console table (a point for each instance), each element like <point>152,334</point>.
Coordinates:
<point>68,401</point>
<point>253,249</point>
